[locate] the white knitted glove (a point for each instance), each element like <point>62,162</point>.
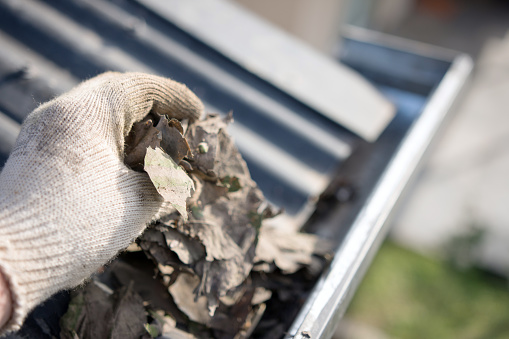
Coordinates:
<point>68,204</point>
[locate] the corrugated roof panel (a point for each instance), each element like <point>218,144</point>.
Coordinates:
<point>68,41</point>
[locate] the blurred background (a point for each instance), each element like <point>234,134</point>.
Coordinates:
<point>442,273</point>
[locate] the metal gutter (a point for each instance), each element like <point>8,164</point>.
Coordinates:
<point>331,295</point>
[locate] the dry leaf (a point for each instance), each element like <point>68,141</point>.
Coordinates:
<point>290,251</point>
<point>202,135</point>
<point>182,292</point>
<point>188,250</point>
<point>142,136</point>
<point>154,245</point>
<point>172,141</point>
<point>170,180</point>
<point>94,313</point>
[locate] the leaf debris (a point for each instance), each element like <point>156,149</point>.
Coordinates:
<point>213,256</point>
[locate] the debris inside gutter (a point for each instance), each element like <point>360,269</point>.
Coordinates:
<point>216,264</point>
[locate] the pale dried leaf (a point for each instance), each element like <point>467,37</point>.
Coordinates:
<point>261,295</point>
<point>170,180</point>
<point>170,331</point>
<point>222,157</point>
<point>230,162</point>
<point>218,244</point>
<point>182,292</point>
<point>221,277</point>
<point>188,250</point>
<point>290,251</point>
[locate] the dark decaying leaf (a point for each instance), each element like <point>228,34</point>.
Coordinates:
<point>172,140</point>
<point>142,136</point>
<point>129,315</point>
<point>95,313</point>
<point>154,245</point>
<point>152,291</point>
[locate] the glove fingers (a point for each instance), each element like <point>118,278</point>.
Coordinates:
<point>121,99</point>
<point>162,95</point>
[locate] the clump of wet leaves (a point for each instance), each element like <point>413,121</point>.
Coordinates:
<point>212,248</point>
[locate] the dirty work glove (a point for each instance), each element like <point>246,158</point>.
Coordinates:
<point>68,203</point>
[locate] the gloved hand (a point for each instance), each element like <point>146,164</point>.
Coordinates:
<point>68,204</point>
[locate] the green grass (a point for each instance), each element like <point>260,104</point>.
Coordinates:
<point>410,296</point>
